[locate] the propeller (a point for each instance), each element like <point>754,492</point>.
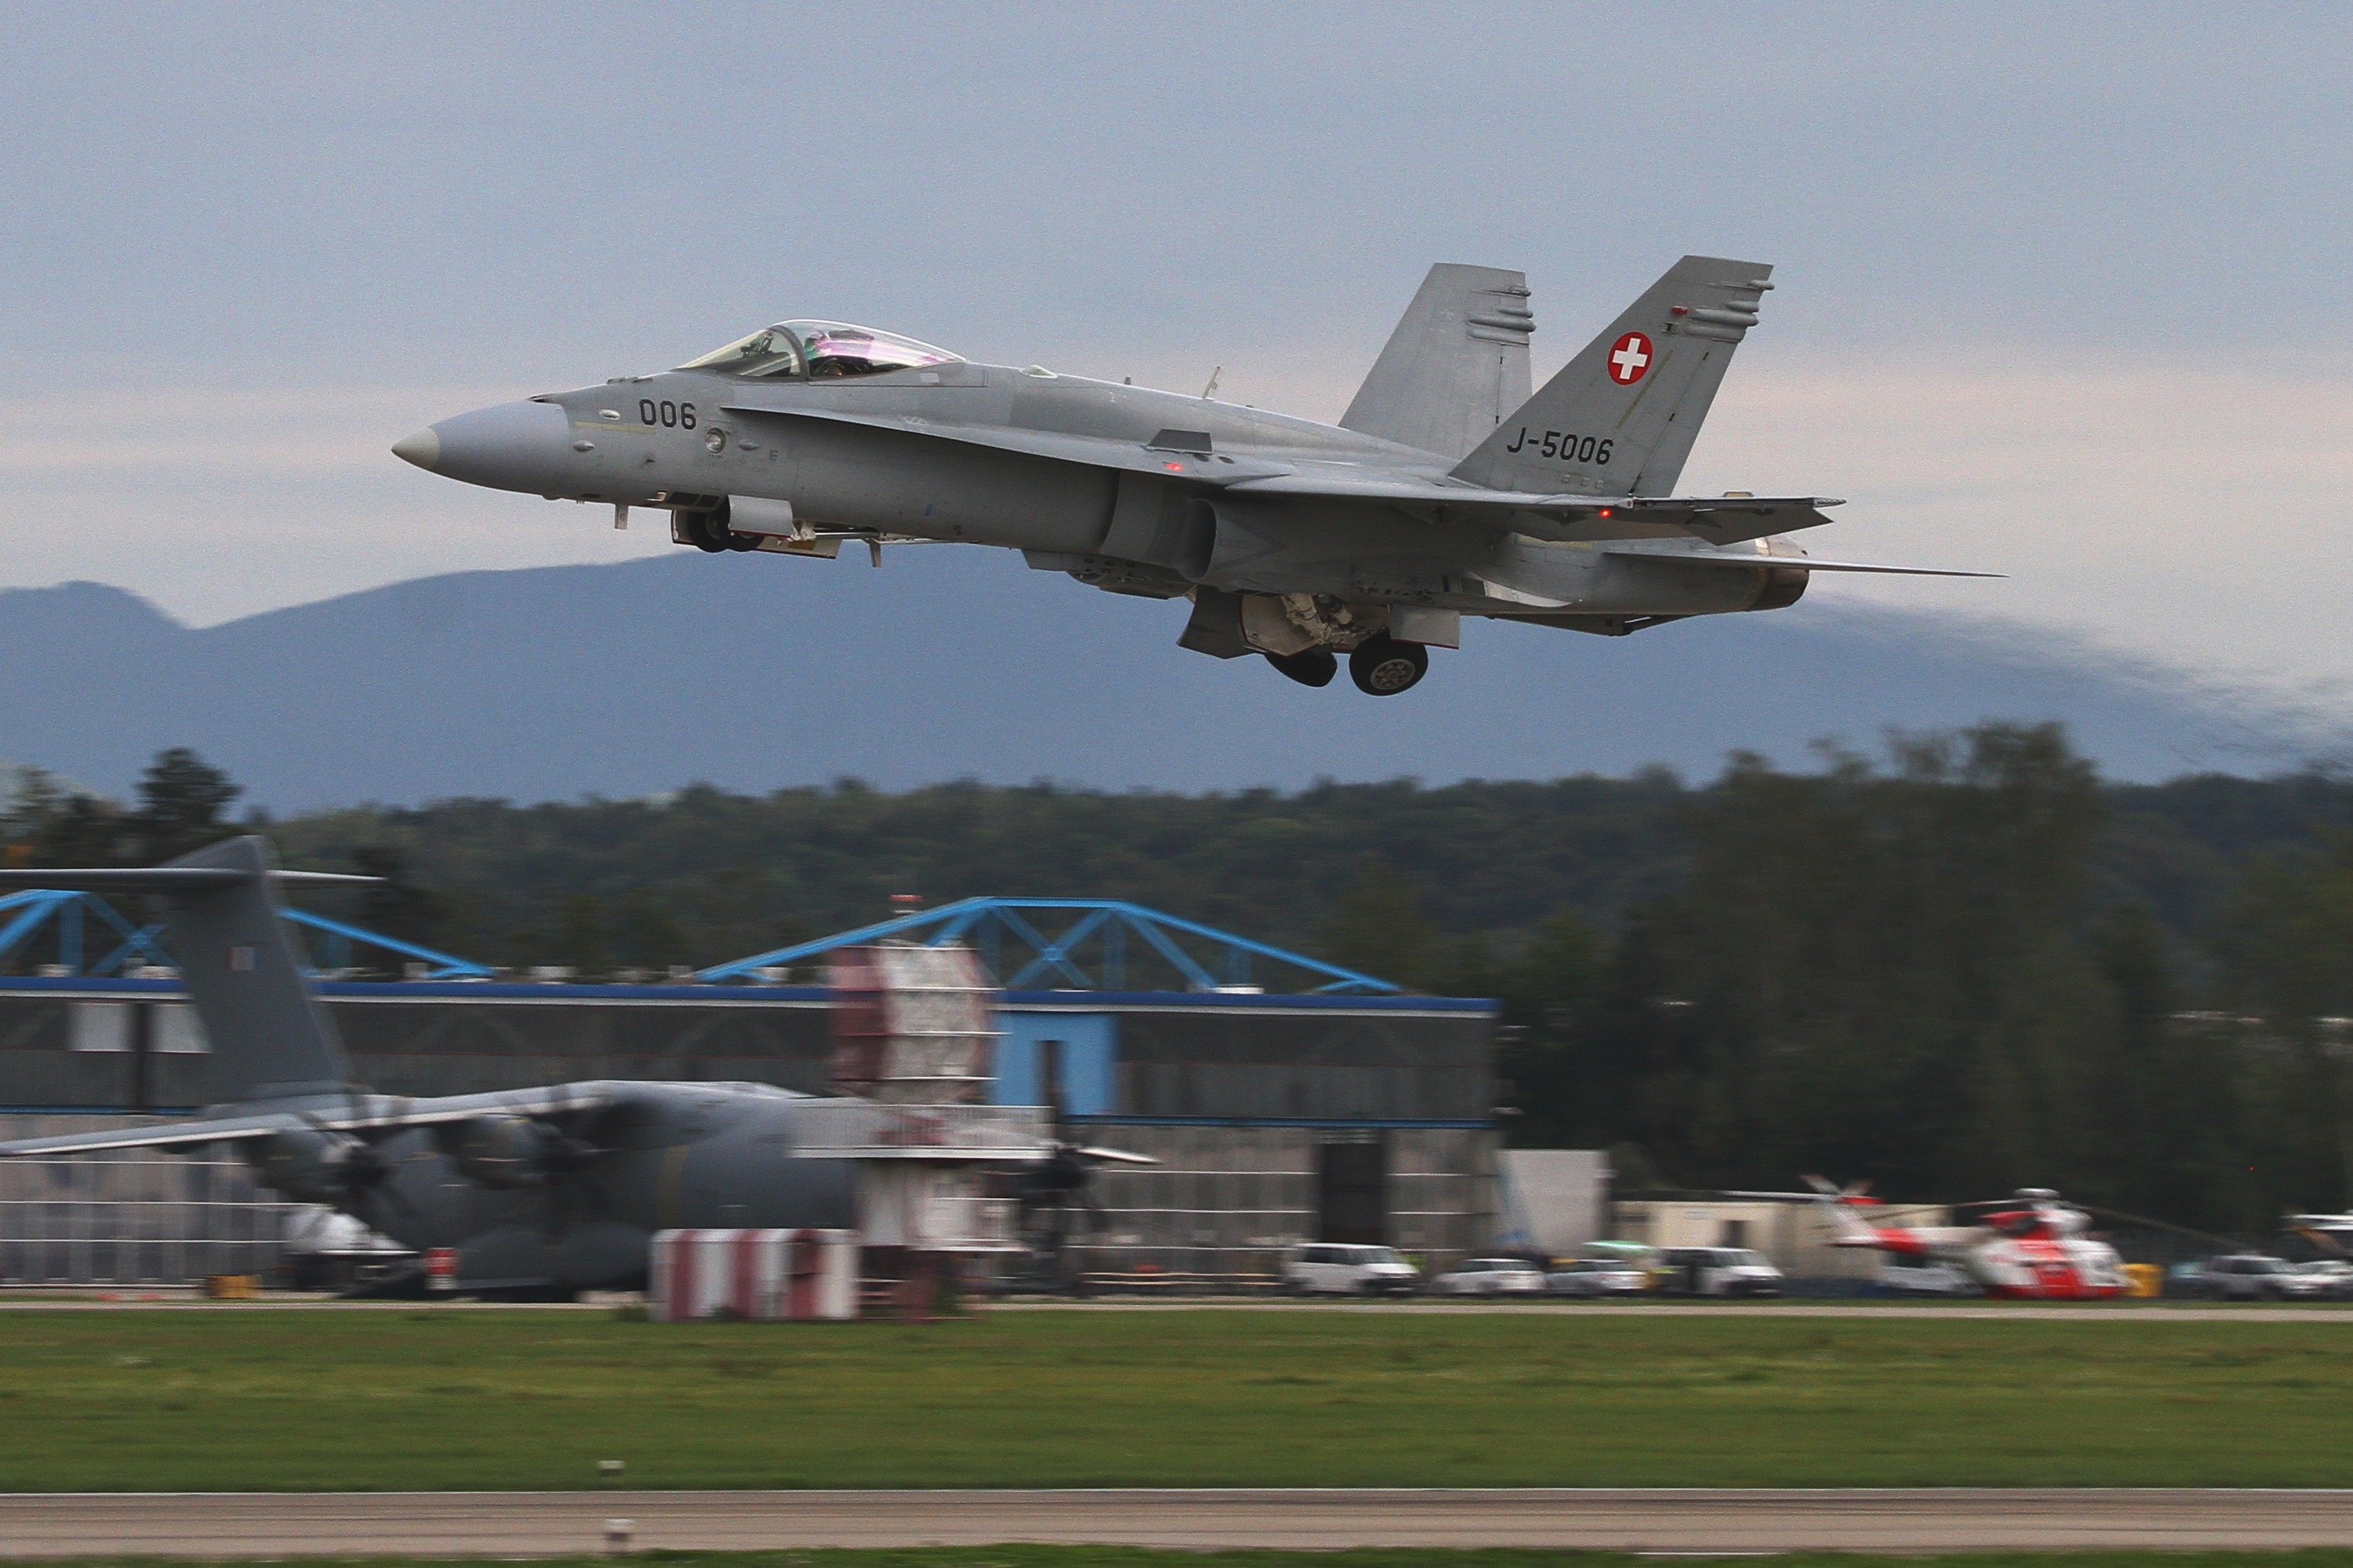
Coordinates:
<point>1053,1193</point>
<point>356,1165</point>
<point>567,1161</point>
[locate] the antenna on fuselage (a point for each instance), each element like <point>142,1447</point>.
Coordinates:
<point>1210,390</point>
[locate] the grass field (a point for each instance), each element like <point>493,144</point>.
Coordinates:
<point>285,1399</point>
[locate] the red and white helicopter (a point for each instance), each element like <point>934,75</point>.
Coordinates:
<point>2029,1247</point>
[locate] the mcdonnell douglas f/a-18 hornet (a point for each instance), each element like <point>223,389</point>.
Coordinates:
<point>1445,490</point>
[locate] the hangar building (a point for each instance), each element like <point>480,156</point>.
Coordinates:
<point>1276,1117</point>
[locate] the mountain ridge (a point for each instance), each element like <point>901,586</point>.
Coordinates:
<point>634,679</point>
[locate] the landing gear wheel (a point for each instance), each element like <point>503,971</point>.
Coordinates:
<point>1383,667</point>
<point>1309,667</point>
<point>708,530</point>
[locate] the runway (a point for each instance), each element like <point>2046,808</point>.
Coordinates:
<point>526,1523</point>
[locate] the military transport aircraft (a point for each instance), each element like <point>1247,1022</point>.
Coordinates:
<point>1445,490</point>
<point>554,1189</point>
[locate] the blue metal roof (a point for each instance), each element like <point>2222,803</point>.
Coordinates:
<point>520,991</point>
<point>74,914</point>
<point>1108,925</point>
<point>1094,943</point>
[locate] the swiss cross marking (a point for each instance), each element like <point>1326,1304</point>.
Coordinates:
<point>1630,357</point>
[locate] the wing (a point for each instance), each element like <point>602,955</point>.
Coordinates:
<point>361,1114</point>
<point>1181,455</point>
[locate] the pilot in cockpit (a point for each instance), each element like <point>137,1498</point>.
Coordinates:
<point>819,351</point>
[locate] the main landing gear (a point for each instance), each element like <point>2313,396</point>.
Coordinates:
<point>1381,666</point>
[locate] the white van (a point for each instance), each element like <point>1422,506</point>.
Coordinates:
<point>1336,1269</point>
<point>1716,1272</point>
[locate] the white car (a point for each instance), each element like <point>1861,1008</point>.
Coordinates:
<point>2257,1277</point>
<point>2335,1277</point>
<point>1492,1277</point>
<point>1601,1277</point>
<point>1333,1268</point>
<point>1717,1271</point>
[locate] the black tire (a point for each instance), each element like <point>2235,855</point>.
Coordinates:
<point>1309,667</point>
<point>1383,667</point>
<point>703,531</point>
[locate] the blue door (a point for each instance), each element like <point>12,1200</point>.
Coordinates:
<point>1077,1053</point>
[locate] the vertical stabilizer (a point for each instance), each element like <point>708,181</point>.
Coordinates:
<point>271,1039</point>
<point>1620,417</point>
<point>1457,364</point>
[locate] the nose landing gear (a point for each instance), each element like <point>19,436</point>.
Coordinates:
<point>1383,667</point>
<point>706,529</point>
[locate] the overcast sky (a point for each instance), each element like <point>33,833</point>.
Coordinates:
<point>2063,292</point>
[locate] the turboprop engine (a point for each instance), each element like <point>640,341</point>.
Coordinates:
<point>315,1165</point>
<point>497,1149</point>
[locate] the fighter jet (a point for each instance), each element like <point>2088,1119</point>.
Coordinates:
<point>1446,489</point>
<point>536,1191</point>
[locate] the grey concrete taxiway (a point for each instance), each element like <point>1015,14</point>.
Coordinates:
<point>250,1524</point>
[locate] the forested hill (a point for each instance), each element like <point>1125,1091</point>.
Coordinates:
<point>1964,966</point>
<point>706,874</point>
<point>714,875</point>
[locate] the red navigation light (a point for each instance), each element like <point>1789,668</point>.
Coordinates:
<point>1605,513</point>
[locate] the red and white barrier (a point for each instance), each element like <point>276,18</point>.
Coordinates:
<point>753,1274</point>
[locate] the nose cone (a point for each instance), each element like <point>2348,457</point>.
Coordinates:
<point>507,446</point>
<point>423,449</point>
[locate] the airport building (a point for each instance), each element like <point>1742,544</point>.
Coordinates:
<point>1277,1116</point>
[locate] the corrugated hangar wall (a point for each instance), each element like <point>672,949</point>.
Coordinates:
<point>1276,1119</point>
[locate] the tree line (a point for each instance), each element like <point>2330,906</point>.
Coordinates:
<point>1957,967</point>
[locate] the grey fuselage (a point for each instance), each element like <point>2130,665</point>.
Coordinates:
<point>666,1155</point>
<point>942,468</point>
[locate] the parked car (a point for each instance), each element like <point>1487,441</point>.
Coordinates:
<point>2255,1276</point>
<point>1904,1275</point>
<point>1333,1268</point>
<point>2335,1277</point>
<point>1603,1276</point>
<point>1492,1277</point>
<point>1717,1271</point>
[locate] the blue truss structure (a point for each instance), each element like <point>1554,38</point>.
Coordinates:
<point>994,927</point>
<point>79,917</point>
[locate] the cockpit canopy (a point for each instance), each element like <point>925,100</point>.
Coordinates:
<point>819,351</point>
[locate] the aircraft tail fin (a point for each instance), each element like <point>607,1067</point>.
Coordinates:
<point>271,1039</point>
<point>1457,364</point>
<point>1620,417</point>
